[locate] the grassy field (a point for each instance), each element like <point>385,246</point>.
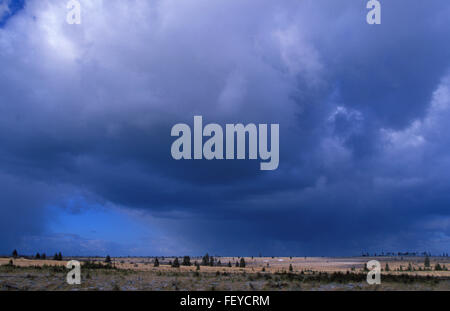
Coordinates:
<point>260,273</point>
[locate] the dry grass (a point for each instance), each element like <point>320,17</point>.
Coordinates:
<point>310,273</point>
<point>256,264</point>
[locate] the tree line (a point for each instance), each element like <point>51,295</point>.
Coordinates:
<point>43,256</point>
<point>207,260</point>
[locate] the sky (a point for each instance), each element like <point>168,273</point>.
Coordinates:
<point>86,113</point>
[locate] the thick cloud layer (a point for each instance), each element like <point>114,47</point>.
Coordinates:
<point>86,110</point>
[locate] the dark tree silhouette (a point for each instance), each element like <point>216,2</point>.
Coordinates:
<point>186,261</point>
<point>108,259</point>
<point>156,263</point>
<point>205,260</point>
<point>242,263</point>
<point>427,262</point>
<point>176,263</point>
<point>14,254</point>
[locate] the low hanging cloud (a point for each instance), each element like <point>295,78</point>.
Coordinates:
<point>87,110</point>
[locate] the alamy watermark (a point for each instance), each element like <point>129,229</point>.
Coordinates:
<point>213,148</point>
<point>374,274</point>
<point>74,275</point>
<point>374,15</point>
<point>74,14</point>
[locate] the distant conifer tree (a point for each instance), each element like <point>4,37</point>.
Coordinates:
<point>242,263</point>
<point>427,261</point>
<point>205,260</point>
<point>108,259</point>
<point>38,256</point>
<point>291,268</point>
<point>156,262</point>
<point>229,264</point>
<point>176,263</point>
<point>43,256</point>
<point>14,254</point>
<point>186,261</point>
<point>387,267</point>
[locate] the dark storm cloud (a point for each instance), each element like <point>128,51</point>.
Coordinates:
<point>23,211</point>
<point>362,112</point>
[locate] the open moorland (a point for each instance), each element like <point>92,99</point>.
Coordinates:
<point>226,273</point>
